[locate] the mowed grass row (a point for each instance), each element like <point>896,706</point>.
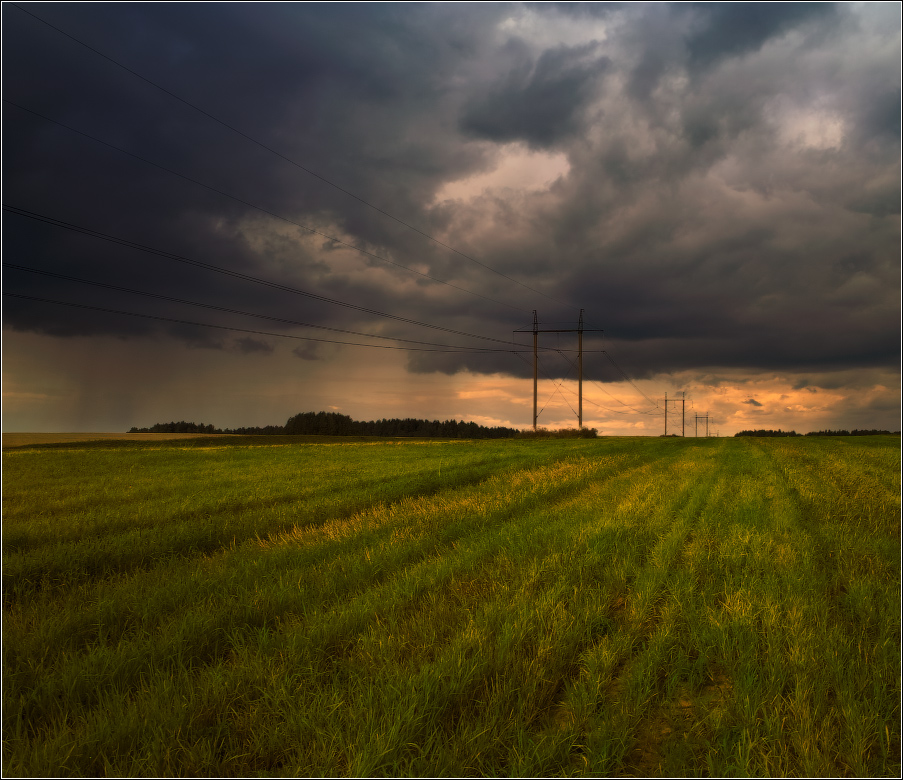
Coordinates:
<point>619,606</point>
<point>138,505</point>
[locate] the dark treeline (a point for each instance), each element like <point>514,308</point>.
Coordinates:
<point>334,424</point>
<point>177,427</point>
<point>563,433</point>
<point>764,432</point>
<point>856,432</point>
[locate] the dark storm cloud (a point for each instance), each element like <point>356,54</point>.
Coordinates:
<point>537,102</point>
<point>730,197</point>
<point>313,90</point>
<point>733,29</point>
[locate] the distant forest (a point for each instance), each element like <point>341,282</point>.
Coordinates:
<point>855,432</point>
<point>334,424</point>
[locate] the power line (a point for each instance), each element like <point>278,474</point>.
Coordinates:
<point>634,409</point>
<point>590,400</point>
<point>236,274</point>
<point>303,227</point>
<point>628,379</point>
<point>284,157</point>
<point>238,330</point>
<point>580,329</point>
<point>260,208</point>
<point>159,296</point>
<point>613,411</point>
<point>558,389</point>
<point>558,386</point>
<point>606,409</point>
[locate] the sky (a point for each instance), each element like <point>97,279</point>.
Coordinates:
<point>203,201</point>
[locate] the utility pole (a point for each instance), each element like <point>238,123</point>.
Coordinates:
<point>702,417</point>
<point>683,413</point>
<point>580,372</point>
<point>579,330</point>
<point>535,365</point>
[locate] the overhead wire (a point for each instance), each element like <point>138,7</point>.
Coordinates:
<point>237,274</point>
<point>88,231</point>
<point>558,391</point>
<point>231,328</point>
<point>559,385</point>
<point>607,409</point>
<point>227,310</point>
<point>574,367</point>
<point>261,209</point>
<point>628,379</point>
<point>633,410</point>
<point>284,157</point>
<point>585,398</point>
<point>637,411</point>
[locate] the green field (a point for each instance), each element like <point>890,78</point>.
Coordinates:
<point>619,606</point>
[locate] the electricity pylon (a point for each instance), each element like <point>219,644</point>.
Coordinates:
<point>579,330</point>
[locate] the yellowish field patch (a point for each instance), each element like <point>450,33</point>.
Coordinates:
<point>29,439</point>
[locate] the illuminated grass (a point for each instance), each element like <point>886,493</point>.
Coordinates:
<point>613,606</point>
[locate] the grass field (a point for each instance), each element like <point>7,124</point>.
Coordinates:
<point>620,606</point>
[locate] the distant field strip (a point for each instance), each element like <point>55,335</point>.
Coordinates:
<point>621,606</point>
<point>31,439</point>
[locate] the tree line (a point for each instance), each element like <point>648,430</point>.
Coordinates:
<point>335,424</point>
<point>855,432</point>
